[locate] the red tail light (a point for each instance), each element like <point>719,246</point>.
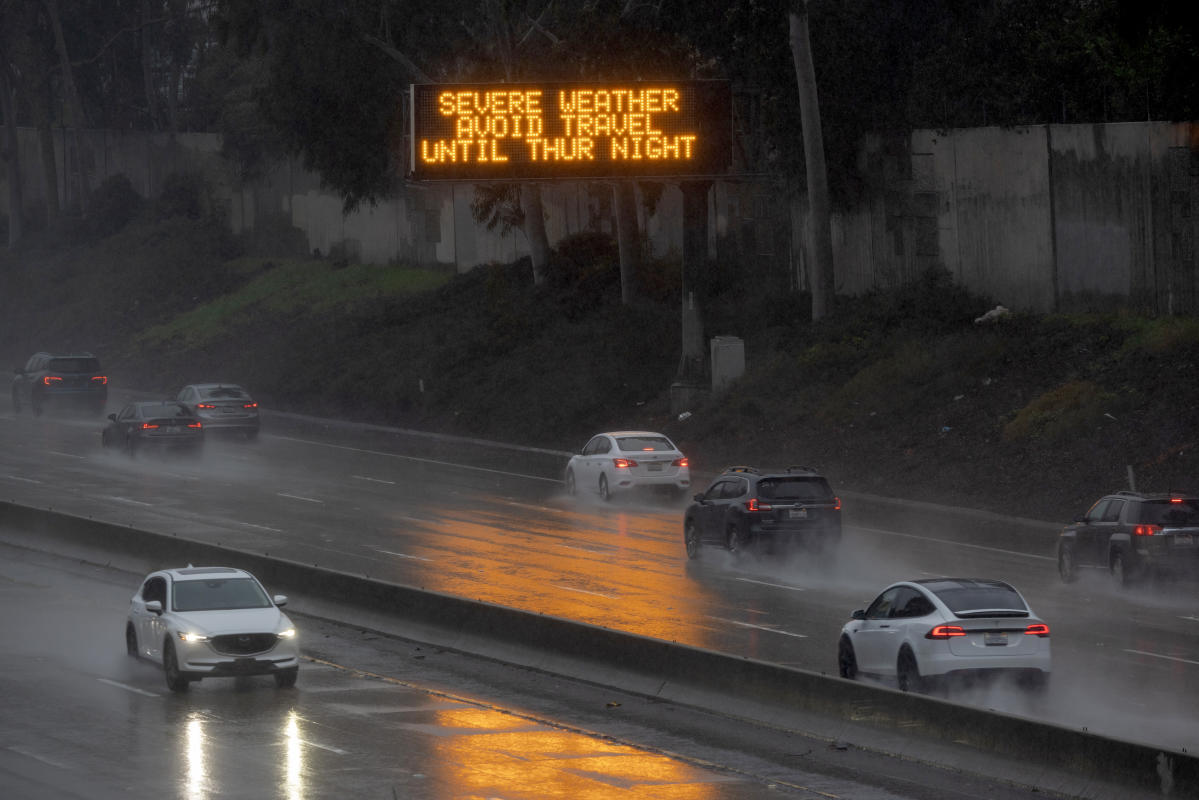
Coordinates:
<point>100,379</point>
<point>1039,629</point>
<point>1147,530</point>
<point>753,505</point>
<point>205,405</point>
<point>623,463</point>
<point>1176,500</point>
<point>148,426</point>
<point>250,405</point>
<point>945,632</point>
<point>46,380</point>
<point>836,503</point>
<point>680,462</point>
<point>195,425</point>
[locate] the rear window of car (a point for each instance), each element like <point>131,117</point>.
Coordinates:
<point>1165,512</point>
<point>979,599</point>
<point>644,443</point>
<point>219,595</point>
<point>214,392</point>
<point>73,365</point>
<point>794,489</point>
<point>164,410</point>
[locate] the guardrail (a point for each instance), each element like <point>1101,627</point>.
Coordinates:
<point>742,687</point>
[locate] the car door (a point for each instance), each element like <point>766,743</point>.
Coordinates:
<point>127,420</point>
<point>709,514</point>
<point>874,637</point>
<point>150,626</point>
<point>599,462</point>
<point>187,397</point>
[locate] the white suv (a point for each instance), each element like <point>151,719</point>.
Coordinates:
<point>208,622</point>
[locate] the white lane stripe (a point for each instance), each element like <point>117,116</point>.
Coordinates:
<point>128,688</point>
<point>300,497</point>
<point>19,478</point>
<point>1191,618</point>
<point>958,544</point>
<point>123,499</point>
<point>372,480</point>
<point>759,627</point>
<point>261,527</point>
<point>66,455</point>
<point>330,748</point>
<point>775,585</point>
<point>1159,655</point>
<point>420,460</point>
<point>591,550</point>
<point>25,751</point>
<point>401,555</point>
<point>584,591</point>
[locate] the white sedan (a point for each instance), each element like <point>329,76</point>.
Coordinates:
<point>207,622</point>
<point>621,461</point>
<point>917,632</point>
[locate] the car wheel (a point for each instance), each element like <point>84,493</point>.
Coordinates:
<point>1119,569</point>
<point>734,539</point>
<point>131,447</point>
<point>285,679</point>
<point>176,680</point>
<point>570,482</point>
<point>691,539</point>
<point>908,673</point>
<point>847,660</point>
<point>604,493</point>
<point>1067,568</point>
<point>131,641</point>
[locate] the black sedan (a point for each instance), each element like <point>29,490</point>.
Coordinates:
<point>157,425</point>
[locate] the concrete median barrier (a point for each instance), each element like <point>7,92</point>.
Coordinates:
<point>742,687</point>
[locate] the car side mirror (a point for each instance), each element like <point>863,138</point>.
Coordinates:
<point>154,606</point>
<point>699,498</point>
<point>1081,518</point>
<point>280,600</point>
<point>859,614</point>
<point>112,417</point>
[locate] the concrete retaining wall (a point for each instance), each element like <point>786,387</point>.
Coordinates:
<point>740,686</point>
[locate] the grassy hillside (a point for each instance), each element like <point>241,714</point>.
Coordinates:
<point>899,393</point>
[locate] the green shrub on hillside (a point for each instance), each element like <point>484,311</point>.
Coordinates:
<point>1062,411</point>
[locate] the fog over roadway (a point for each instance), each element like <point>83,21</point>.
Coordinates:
<point>493,525</point>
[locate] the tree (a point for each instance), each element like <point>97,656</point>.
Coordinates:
<point>9,152</point>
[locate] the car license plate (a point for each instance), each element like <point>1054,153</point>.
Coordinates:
<point>654,466</point>
<point>995,638</point>
<point>1184,540</point>
<point>797,513</point>
<point>244,665</point>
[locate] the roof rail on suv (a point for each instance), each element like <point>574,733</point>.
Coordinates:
<point>740,468</point>
<point>799,468</point>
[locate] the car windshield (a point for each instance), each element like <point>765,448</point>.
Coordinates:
<point>644,443</point>
<point>218,595</point>
<point>1167,512</point>
<point>211,392</point>
<point>73,365</point>
<point>980,599</point>
<point>794,489</point>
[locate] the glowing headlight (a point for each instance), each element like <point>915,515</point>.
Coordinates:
<point>192,637</point>
<point>287,634</point>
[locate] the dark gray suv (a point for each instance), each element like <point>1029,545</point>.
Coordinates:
<point>49,380</point>
<point>792,509</point>
<point>1133,535</point>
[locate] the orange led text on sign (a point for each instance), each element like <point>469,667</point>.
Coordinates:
<point>610,124</point>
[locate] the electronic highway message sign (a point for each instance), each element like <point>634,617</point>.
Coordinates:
<point>516,131</point>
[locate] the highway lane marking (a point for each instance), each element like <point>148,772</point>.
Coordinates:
<point>1159,655</point>
<point>123,500</point>
<point>775,585</point>
<point>260,527</point>
<point>1190,619</point>
<point>372,480</point>
<point>300,497</point>
<point>19,478</point>
<point>584,591</point>
<point>66,455</point>
<point>758,627</point>
<point>328,747</point>
<point>25,751</point>
<point>959,544</point>
<point>420,460</point>
<point>598,550</point>
<point>128,688</point>
<point>400,555</point>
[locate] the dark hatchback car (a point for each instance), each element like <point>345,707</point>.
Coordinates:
<point>1133,535</point>
<point>158,426</point>
<point>779,511</point>
<point>60,381</point>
